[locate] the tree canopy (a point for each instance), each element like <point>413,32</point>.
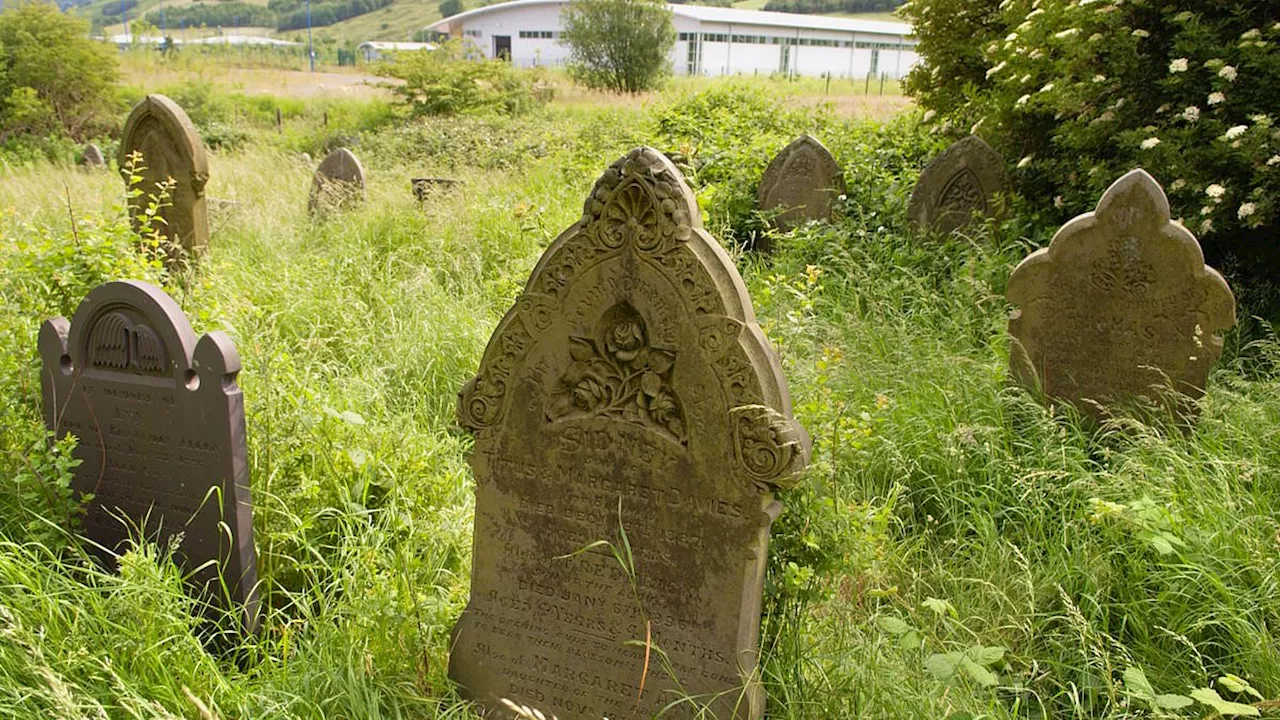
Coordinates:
<point>618,45</point>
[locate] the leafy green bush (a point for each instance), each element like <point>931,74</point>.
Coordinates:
<point>325,13</point>
<point>452,79</point>
<point>618,45</point>
<point>54,79</point>
<point>1078,92</point>
<point>223,14</point>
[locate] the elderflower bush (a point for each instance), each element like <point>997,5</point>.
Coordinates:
<point>1077,92</point>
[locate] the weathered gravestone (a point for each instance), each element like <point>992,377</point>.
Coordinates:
<point>92,156</point>
<point>171,149</point>
<point>628,390</point>
<point>965,179</point>
<point>160,424</point>
<point>803,181</point>
<point>1119,306</point>
<point>338,183</point>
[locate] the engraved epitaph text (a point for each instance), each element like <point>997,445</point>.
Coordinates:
<point>803,182</point>
<point>171,149</point>
<point>1119,306</point>
<point>628,390</point>
<point>159,421</point>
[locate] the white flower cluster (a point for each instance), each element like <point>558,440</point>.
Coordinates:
<point>1191,114</point>
<point>1179,65</point>
<point>1227,73</point>
<point>1217,98</point>
<point>1235,131</point>
<point>1246,209</point>
<point>1215,191</point>
<point>1150,142</point>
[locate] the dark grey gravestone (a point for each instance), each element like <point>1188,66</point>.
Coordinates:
<point>171,152</point>
<point>958,185</point>
<point>160,424</point>
<point>629,389</point>
<point>93,156</point>
<point>802,182</point>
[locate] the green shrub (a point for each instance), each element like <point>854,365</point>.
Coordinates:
<point>222,14</point>
<point>53,79</point>
<point>618,45</point>
<point>1078,92</point>
<point>452,79</point>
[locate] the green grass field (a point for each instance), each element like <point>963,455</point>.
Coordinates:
<point>956,550</point>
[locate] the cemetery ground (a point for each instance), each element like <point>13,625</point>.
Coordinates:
<point>955,549</point>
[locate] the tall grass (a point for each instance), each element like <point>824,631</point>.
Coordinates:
<point>945,511</point>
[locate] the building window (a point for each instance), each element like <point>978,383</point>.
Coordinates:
<point>537,35</point>
<point>471,33</point>
<point>875,61</point>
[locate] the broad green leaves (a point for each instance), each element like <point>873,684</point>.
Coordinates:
<point>1138,687</point>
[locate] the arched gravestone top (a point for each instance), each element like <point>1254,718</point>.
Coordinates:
<point>159,420</point>
<point>92,155</point>
<point>629,384</point>
<point>1118,306</point>
<point>171,148</point>
<point>805,180</point>
<point>963,180</point>
<point>338,182</point>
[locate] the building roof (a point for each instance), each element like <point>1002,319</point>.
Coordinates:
<point>395,46</point>
<point>240,40</point>
<point>735,16</point>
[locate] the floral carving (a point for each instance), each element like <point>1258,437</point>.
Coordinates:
<point>1123,269</point>
<point>963,195</point>
<point>620,375</point>
<point>119,343</point>
<point>768,446</point>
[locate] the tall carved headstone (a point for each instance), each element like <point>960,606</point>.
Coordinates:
<point>1119,306</point>
<point>338,182</point>
<point>803,181</point>
<point>160,426</point>
<point>965,179</point>
<point>171,149</point>
<point>629,390</point>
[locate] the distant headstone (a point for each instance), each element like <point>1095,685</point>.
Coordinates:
<point>1119,306</point>
<point>423,187</point>
<point>92,155</point>
<point>160,424</point>
<point>338,182</point>
<point>803,181</point>
<point>628,390</point>
<point>170,148</point>
<point>960,182</point>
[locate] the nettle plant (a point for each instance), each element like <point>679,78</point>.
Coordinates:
<point>1078,92</point>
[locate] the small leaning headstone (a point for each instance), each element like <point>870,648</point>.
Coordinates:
<point>628,397</point>
<point>962,182</point>
<point>171,149</point>
<point>160,426</point>
<point>92,156</point>
<point>1119,306</point>
<point>338,183</point>
<point>803,182</point>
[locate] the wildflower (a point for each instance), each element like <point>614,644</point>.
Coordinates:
<point>1150,143</point>
<point>1025,79</point>
<point>1207,209</point>
<point>1191,114</point>
<point>929,114</point>
<point>1236,131</point>
<point>1261,120</point>
<point>1036,54</point>
<point>1253,34</point>
<point>1217,98</point>
<point>1069,32</point>
<point>1024,162</point>
<point>1215,191</point>
<point>1057,201</point>
<point>1095,37</point>
<point>1206,225</point>
<point>1275,160</point>
<point>1247,209</point>
<point>1178,184</point>
<point>1099,78</point>
<point>996,69</point>
<point>1140,33</point>
<point>1179,65</point>
<point>1022,100</point>
<point>1033,13</point>
<point>1047,88</point>
<point>1227,73</point>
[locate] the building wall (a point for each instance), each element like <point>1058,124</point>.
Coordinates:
<point>706,48</point>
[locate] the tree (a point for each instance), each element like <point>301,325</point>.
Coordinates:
<point>449,8</point>
<point>619,45</point>
<point>54,79</point>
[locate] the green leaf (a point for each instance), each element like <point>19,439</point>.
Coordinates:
<point>979,674</point>
<point>942,667</point>
<point>910,641</point>
<point>1237,684</point>
<point>1210,697</point>
<point>351,417</point>
<point>938,606</point>
<point>1135,681</point>
<point>985,655</point>
<point>1173,702</point>
<point>893,625</point>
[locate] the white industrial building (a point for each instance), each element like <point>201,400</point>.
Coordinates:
<point>711,40</point>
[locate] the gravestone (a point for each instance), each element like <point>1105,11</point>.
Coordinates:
<point>965,179</point>
<point>338,183</point>
<point>803,181</point>
<point>171,149</point>
<point>1119,306</point>
<point>92,156</point>
<point>160,424</point>
<point>628,390</point>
